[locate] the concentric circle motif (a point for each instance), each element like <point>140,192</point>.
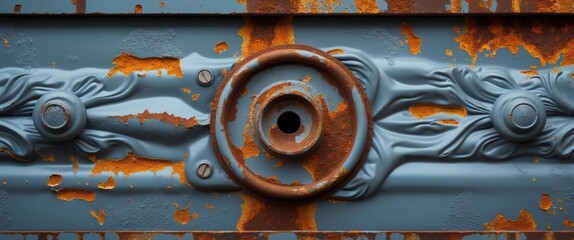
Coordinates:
<point>291,123</point>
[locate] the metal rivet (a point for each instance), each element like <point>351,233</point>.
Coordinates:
<point>55,117</point>
<point>204,170</point>
<point>204,77</point>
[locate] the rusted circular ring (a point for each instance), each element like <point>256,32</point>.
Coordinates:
<point>355,106</point>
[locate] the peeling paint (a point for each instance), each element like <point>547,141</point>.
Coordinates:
<point>99,215</point>
<point>412,40</point>
<point>424,110</point>
<point>164,117</point>
<point>367,6</point>
<point>259,33</point>
<point>54,180</point>
<point>524,222</point>
<point>133,164</point>
<point>448,52</point>
<point>220,47</point>
<point>249,148</point>
<point>126,64</point>
<point>261,215</point>
<point>110,183</point>
<point>6,44</point>
<point>186,90</point>
<point>70,194</point>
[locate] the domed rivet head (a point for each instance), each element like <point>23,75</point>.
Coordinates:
<point>204,77</point>
<point>59,115</point>
<point>55,117</point>
<point>518,116</point>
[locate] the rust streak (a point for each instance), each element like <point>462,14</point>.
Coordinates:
<point>126,64</point>
<point>99,215</point>
<point>412,40</point>
<point>455,6</point>
<point>567,223</point>
<point>367,6</point>
<point>110,183</point>
<point>12,155</point>
<point>220,47</point>
<point>424,110</point>
<point>525,222</point>
<point>75,194</point>
<point>75,163</point>
<point>80,5</point>
<point>133,164</point>
<point>164,117</point>
<point>260,215</point>
<point>54,180</point>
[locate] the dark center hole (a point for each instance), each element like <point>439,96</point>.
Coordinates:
<point>289,122</point>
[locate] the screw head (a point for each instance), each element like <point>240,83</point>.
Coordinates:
<point>204,77</point>
<point>204,170</point>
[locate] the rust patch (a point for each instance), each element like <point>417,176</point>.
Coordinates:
<point>220,47</point>
<point>133,164</point>
<point>138,9</point>
<point>367,6</point>
<point>567,223</point>
<point>75,163</point>
<point>110,183</point>
<point>80,5</point>
<point>12,155</point>
<point>162,4</point>
<point>54,180</point>
<point>260,215</point>
<point>164,117</point>
<point>455,6</point>
<point>126,64</point>
<point>186,90</point>
<point>336,51</point>
<point>545,202</point>
<point>489,34</point>
<point>6,44</point>
<point>412,40</point>
<point>525,222</point>
<point>270,6</point>
<point>69,194</point>
<point>17,9</point>
<point>259,33</point>
<point>99,215</point>
<point>46,157</point>
<point>249,148</point>
<point>182,216</point>
<point>424,110</point>
<point>401,6</point>
<point>306,79</point>
<point>448,52</point>
<point>135,236</point>
<point>435,6</point>
<point>195,97</point>
<point>479,6</point>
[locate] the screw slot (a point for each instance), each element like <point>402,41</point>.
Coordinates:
<point>204,77</point>
<point>204,170</point>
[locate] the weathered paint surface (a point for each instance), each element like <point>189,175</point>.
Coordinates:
<point>425,110</point>
<point>126,64</point>
<point>54,180</point>
<point>70,194</point>
<point>524,222</point>
<point>164,117</point>
<point>412,40</point>
<point>100,215</point>
<point>264,215</point>
<point>110,183</point>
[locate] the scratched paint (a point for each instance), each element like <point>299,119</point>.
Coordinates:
<point>126,64</point>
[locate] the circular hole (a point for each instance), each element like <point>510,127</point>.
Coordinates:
<point>288,122</point>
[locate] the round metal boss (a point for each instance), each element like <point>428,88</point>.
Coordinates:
<point>291,123</point>
<point>59,115</point>
<point>518,116</point>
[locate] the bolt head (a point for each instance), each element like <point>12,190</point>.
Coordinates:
<point>204,77</point>
<point>204,171</point>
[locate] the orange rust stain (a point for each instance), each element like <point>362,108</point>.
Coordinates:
<point>554,6</point>
<point>75,163</point>
<point>209,206</point>
<point>54,180</point>
<point>260,215</point>
<point>545,202</point>
<point>448,52</point>
<point>12,155</point>
<point>307,78</point>
<point>110,183</point>
<point>491,34</point>
<point>182,216</point>
<point>138,9</point>
<point>164,117</point>
<point>525,222</point>
<point>162,4</point>
<point>424,110</point>
<point>6,44</point>
<point>455,6</point>
<point>75,194</point>
<point>46,157</point>
<point>567,223</point>
<point>126,64</point>
<point>530,72</point>
<point>99,215</point>
<point>413,40</point>
<point>220,47</point>
<point>401,6</point>
<point>186,90</point>
<point>336,51</point>
<point>135,236</point>
<point>367,6</point>
<point>249,148</point>
<point>516,6</point>
<point>263,32</point>
<point>133,164</point>
<point>80,5</point>
<point>195,97</point>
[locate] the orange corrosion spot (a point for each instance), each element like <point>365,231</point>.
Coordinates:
<point>209,206</point>
<point>162,4</point>
<point>80,5</point>
<point>110,183</point>
<point>133,164</point>
<point>516,6</point>
<point>164,117</point>
<point>249,148</point>
<point>455,6</point>
<point>336,51</point>
<point>567,223</point>
<point>263,215</point>
<point>6,44</point>
<point>491,34</point>
<point>54,180</point>
<point>263,32</point>
<point>186,90</point>
<point>195,97</point>
<point>12,155</point>
<point>220,47</point>
<point>401,6</point>
<point>367,6</point>
<point>525,222</point>
<point>75,163</point>
<point>99,215</point>
<point>530,72</point>
<point>182,216</point>
<point>448,52</point>
<point>46,157</point>
<point>138,9</point>
<point>307,78</point>
<point>75,194</point>
<point>413,40</point>
<point>545,202</point>
<point>424,110</point>
<point>127,64</point>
